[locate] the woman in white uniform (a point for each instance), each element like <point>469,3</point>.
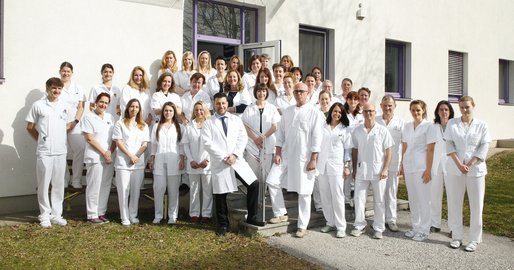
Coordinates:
<point>335,152</point>
<point>261,117</point>
<point>443,113</point>
<point>168,63</point>
<point>106,86</point>
<point>237,95</point>
<point>191,97</point>
<point>74,96</point>
<point>166,161</point>
<point>318,78</point>
<point>313,93</point>
<point>418,142</point>
<point>354,114</point>
<point>287,62</point>
<point>165,92</point>
<point>250,77</point>
<point>264,76</point>
<point>183,76</point>
<point>325,102</point>
<point>97,127</point>
<point>287,99</point>
<point>198,167</point>
<point>137,87</point>
<point>235,64</point>
<point>132,136</point>
<point>278,77</point>
<point>215,83</point>
<point>467,143</point>
<point>204,64</point>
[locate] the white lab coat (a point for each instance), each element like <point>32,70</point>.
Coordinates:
<point>220,147</point>
<point>299,134</point>
<point>158,100</point>
<point>440,157</point>
<point>182,78</point>
<point>249,80</point>
<point>467,143</point>
<point>371,150</point>
<point>282,103</point>
<point>395,128</point>
<point>212,86</point>
<point>194,149</point>
<point>242,97</point>
<point>334,152</point>
<point>167,150</point>
<point>101,129</point>
<point>251,117</point>
<point>415,158</point>
<point>132,138</point>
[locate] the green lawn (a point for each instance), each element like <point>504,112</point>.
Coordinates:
<point>498,213</point>
<point>185,246</point>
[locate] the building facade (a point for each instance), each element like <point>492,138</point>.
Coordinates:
<point>429,50</point>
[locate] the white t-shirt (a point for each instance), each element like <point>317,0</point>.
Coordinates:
<point>101,129</point>
<point>132,138</point>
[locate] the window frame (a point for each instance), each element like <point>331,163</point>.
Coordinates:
<point>403,60</point>
<point>506,73</point>
<point>2,75</point>
<point>326,71</point>
<point>454,96</point>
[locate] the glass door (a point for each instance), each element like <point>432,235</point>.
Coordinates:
<point>271,48</point>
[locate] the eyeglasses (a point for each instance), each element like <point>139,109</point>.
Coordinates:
<point>368,111</point>
<point>299,91</point>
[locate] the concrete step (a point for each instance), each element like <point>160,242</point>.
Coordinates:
<point>507,143</point>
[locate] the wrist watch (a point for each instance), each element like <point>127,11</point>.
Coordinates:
<point>76,121</point>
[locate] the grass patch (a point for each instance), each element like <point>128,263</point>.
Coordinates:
<point>498,215</point>
<point>112,246</point>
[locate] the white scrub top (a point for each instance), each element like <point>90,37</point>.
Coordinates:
<point>158,100</point>
<point>50,120</point>
<point>128,93</point>
<point>73,95</point>
<point>468,142</point>
<point>371,150</point>
<point>249,80</point>
<point>114,92</point>
<point>101,129</point>
<point>415,158</point>
<point>212,86</point>
<point>395,127</point>
<point>182,79</point>
<point>132,137</point>
<point>253,118</point>
<point>167,150</point>
<point>440,157</point>
<point>335,150</point>
<point>188,102</point>
<point>194,149</point>
<point>282,103</point>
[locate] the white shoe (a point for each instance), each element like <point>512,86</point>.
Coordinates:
<point>125,222</point>
<point>356,232</point>
<point>279,219</point>
<point>156,221</point>
<point>45,224</point>
<point>455,244</point>
<point>76,185</point>
<point>134,221</point>
<point>377,235</point>
<point>471,247</point>
<point>59,221</point>
<point>340,234</point>
<point>410,234</point>
<point>420,237</point>
<point>300,233</point>
<point>327,229</point>
<point>392,226</point>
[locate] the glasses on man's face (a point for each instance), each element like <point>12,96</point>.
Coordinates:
<point>299,91</point>
<point>368,111</point>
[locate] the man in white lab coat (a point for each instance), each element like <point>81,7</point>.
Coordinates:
<point>225,138</point>
<point>298,143</point>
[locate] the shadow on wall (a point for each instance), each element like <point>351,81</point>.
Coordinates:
<point>10,160</point>
<point>153,75</point>
<point>25,170</point>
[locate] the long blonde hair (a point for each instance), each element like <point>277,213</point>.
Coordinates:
<point>139,119</point>
<point>184,56</point>
<point>174,68</point>
<point>206,112</point>
<point>144,85</point>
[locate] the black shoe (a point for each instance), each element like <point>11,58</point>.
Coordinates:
<point>256,222</point>
<point>434,229</point>
<point>221,231</point>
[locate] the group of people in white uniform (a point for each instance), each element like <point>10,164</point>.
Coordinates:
<point>214,128</point>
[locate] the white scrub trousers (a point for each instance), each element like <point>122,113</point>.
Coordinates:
<point>304,210</point>
<point>436,198</point>
<point>159,188</point>
<point>361,194</point>
<point>456,186</point>
<point>200,184</point>
<point>50,170</point>
<point>98,189</point>
<point>390,198</point>
<point>419,202</point>
<point>332,199</point>
<point>128,184</point>
<point>76,147</point>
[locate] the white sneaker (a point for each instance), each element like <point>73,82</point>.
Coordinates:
<point>59,221</point>
<point>377,235</point>
<point>134,221</point>
<point>420,237</point>
<point>156,221</point>
<point>455,244</point>
<point>410,234</point>
<point>392,226</point>
<point>125,222</point>
<point>76,185</point>
<point>327,229</point>
<point>340,234</point>
<point>471,247</point>
<point>279,219</point>
<point>45,224</point>
<point>356,232</point>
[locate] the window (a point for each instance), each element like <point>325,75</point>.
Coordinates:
<point>397,68</point>
<point>457,75</point>
<point>218,27</point>
<point>2,78</point>
<point>314,49</point>
<point>506,82</point>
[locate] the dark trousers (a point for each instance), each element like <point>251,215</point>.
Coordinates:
<point>252,203</point>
